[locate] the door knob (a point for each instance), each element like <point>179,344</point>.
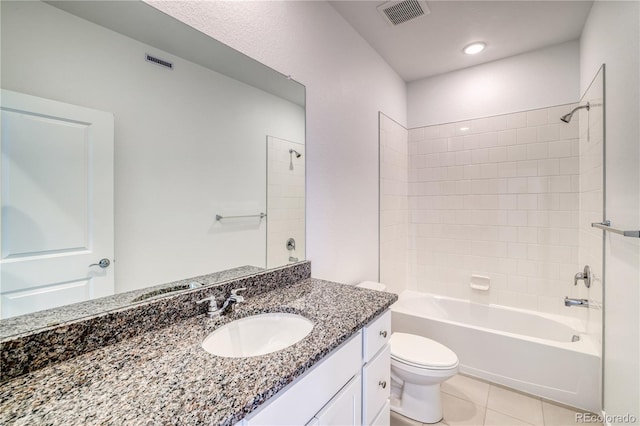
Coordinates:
<point>103,263</point>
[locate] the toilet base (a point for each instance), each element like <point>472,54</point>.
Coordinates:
<point>419,402</point>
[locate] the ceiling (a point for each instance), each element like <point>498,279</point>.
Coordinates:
<point>432,44</point>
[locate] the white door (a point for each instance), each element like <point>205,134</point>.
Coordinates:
<point>57,204</point>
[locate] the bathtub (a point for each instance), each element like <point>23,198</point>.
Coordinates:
<point>524,350</point>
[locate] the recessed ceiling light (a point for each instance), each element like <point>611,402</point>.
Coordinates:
<point>474,48</point>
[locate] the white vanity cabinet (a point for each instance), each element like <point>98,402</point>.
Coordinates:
<point>349,387</point>
<point>304,399</point>
<point>376,371</point>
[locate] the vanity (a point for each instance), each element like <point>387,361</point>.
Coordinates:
<point>337,374</point>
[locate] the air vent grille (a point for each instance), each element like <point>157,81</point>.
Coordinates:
<point>398,12</point>
<point>159,61</point>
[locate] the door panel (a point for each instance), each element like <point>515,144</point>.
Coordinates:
<point>57,204</point>
<point>45,170</point>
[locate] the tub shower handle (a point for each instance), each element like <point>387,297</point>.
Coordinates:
<point>383,333</point>
<point>585,275</point>
<point>382,384</point>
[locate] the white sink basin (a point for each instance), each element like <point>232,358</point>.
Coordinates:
<point>257,335</point>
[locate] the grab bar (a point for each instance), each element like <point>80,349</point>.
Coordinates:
<point>606,226</point>
<point>261,215</point>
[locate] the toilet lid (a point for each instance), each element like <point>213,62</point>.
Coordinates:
<point>420,351</point>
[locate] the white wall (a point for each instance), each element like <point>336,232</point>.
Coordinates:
<point>347,84</point>
<point>187,144</point>
<point>536,79</point>
<point>612,36</point>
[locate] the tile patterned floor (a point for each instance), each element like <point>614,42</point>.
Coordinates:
<point>469,401</point>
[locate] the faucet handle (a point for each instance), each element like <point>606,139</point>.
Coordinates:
<point>585,275</point>
<point>235,291</point>
<point>211,299</point>
<point>235,296</point>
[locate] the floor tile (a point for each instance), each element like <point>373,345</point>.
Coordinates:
<point>522,407</point>
<point>458,411</point>
<point>399,420</point>
<point>467,388</point>
<point>493,418</point>
<point>555,415</point>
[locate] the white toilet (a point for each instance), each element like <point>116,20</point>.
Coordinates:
<point>418,366</point>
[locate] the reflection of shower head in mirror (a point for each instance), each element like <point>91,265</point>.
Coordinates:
<point>293,151</point>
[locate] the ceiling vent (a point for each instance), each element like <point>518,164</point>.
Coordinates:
<point>398,12</point>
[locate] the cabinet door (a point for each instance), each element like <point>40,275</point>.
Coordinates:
<point>377,384</point>
<point>345,408</point>
<point>384,416</point>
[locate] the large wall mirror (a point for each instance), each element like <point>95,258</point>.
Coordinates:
<point>137,151</point>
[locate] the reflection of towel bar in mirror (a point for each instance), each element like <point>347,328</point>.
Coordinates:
<point>605,225</point>
<point>261,215</point>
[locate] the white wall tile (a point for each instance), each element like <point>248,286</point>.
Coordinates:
<point>548,167</point>
<point>516,120</point>
<point>509,169</point>
<point>499,198</point>
<point>516,152</point>
<point>527,135</point>
<point>537,151</point>
<point>507,137</point>
<point>527,168</point>
<point>517,185</point>
<point>561,148</point>
<point>537,117</point>
<point>537,185</point>
<point>569,166</point>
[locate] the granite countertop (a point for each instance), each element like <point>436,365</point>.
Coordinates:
<point>42,319</point>
<point>165,377</point>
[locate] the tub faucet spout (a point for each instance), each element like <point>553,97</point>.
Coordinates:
<point>582,303</point>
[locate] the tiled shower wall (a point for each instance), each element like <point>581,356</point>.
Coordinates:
<point>495,197</point>
<point>394,204</point>
<point>285,201</point>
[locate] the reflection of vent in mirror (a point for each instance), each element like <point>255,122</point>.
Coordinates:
<point>159,61</point>
<point>398,12</point>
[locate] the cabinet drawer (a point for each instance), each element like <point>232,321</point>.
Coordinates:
<point>384,416</point>
<point>376,335</point>
<point>376,378</point>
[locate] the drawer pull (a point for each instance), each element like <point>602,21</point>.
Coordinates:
<point>384,334</point>
<point>382,384</point>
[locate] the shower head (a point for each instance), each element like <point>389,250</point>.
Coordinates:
<point>293,151</point>
<point>567,117</point>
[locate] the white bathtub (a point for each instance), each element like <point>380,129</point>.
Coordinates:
<point>524,350</point>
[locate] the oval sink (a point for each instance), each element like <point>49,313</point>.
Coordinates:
<point>257,335</point>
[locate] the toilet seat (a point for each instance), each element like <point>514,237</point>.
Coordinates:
<point>420,352</point>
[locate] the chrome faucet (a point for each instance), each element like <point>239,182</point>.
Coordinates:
<point>229,304</point>
<point>581,303</point>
